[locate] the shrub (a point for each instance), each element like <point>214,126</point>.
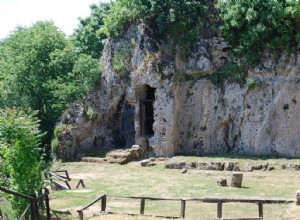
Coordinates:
<point>252,83</point>
<point>286,106</point>
<point>166,18</point>
<point>54,145</point>
<point>251,26</point>
<point>19,141</point>
<point>231,72</point>
<point>121,60</point>
<point>91,113</point>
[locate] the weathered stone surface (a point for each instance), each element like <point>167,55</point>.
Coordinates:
<point>248,168</point>
<point>148,162</point>
<point>236,180</point>
<point>151,164</point>
<point>184,170</point>
<point>191,115</point>
<point>125,156</point>
<point>236,168</point>
<point>290,166</point>
<point>298,198</point>
<point>177,165</point>
<point>144,163</point>
<point>222,182</point>
<point>228,166</point>
<point>94,160</point>
<point>210,166</point>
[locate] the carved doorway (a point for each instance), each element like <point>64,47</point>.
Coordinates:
<point>147,112</point>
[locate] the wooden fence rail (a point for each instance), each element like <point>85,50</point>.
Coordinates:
<point>183,201</point>
<point>63,178</point>
<point>33,202</point>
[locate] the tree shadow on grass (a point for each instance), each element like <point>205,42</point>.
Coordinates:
<point>59,215</point>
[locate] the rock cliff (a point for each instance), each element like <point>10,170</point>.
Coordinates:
<point>160,96</point>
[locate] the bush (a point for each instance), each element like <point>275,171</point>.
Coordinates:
<point>121,60</point>
<point>166,18</point>
<point>91,113</point>
<point>54,145</point>
<point>19,141</point>
<point>231,72</point>
<point>251,26</point>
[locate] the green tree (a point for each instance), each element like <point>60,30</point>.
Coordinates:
<point>20,158</point>
<point>251,26</point>
<point>81,76</point>
<point>25,71</point>
<point>87,37</point>
<point>41,69</point>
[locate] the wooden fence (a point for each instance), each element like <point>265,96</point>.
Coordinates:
<point>183,201</point>
<point>63,178</point>
<point>33,202</point>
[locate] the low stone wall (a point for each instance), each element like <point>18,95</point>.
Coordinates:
<point>228,166</point>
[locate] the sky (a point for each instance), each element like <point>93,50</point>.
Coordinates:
<point>64,13</point>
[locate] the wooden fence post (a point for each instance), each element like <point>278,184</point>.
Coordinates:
<point>32,210</point>
<point>182,212</point>
<point>80,182</point>
<point>37,214</point>
<point>260,210</point>
<point>67,174</point>
<point>103,203</point>
<point>219,214</point>
<point>142,210</point>
<point>80,213</point>
<point>68,185</point>
<point>47,205</point>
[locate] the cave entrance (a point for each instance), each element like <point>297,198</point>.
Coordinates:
<point>147,112</point>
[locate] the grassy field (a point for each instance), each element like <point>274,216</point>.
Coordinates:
<point>134,180</point>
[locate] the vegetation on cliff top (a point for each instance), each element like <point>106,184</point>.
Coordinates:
<point>253,26</point>
<point>165,18</point>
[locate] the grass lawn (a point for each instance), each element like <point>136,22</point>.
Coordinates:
<point>134,180</point>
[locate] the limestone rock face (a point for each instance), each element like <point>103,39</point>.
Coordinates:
<point>160,97</point>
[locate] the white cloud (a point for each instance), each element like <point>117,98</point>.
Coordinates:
<point>64,13</point>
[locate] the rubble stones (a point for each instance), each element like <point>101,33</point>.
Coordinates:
<point>144,163</point>
<point>125,156</point>
<point>177,165</point>
<point>248,168</point>
<point>222,182</point>
<point>290,166</point>
<point>228,166</point>
<point>210,166</point>
<point>236,168</point>
<point>184,170</point>
<point>151,164</point>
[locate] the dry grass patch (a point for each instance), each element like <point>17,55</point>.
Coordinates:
<point>134,180</point>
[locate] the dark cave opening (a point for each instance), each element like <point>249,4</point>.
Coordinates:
<point>147,112</point>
